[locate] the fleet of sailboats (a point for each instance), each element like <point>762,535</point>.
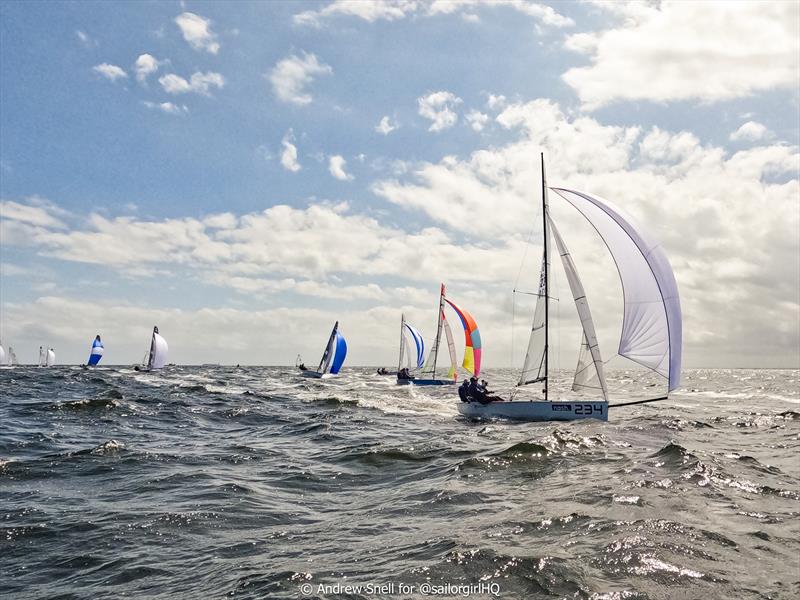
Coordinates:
<point>651,332</point>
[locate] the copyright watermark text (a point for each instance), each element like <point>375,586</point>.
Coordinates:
<point>440,590</point>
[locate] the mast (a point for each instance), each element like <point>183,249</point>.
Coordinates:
<point>546,279</point>
<point>438,330</point>
<point>400,354</point>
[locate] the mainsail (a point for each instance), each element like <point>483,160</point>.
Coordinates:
<point>472,340</point>
<point>42,357</point>
<point>534,370</point>
<point>12,356</point>
<point>651,327</point>
<point>97,352</point>
<point>158,351</point>
<point>429,368</point>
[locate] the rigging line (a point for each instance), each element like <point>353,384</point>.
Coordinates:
<point>639,401</point>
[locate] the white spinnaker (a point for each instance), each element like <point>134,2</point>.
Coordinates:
<point>451,346</point>
<point>589,373</point>
<point>651,326</point>
<point>534,368</point>
<point>158,357</point>
<point>50,357</point>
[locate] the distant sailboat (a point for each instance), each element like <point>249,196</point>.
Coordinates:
<point>409,361</point>
<point>156,357</point>
<point>50,358</point>
<point>12,357</point>
<point>42,357</point>
<point>651,328</point>
<point>96,353</point>
<point>3,355</point>
<point>472,348</point>
<point>333,357</point>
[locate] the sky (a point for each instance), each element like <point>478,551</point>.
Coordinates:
<point>245,174</point>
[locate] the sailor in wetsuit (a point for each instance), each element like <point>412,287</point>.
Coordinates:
<point>462,391</point>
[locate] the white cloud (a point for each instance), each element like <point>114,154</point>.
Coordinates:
<point>386,126</point>
<point>197,31</point>
<point>709,51</point>
<point>496,102</point>
<point>289,153</point>
<point>145,65</point>
<point>168,107</point>
<point>336,166</point>
<point>394,10</point>
<point>200,83</point>
<point>85,39</point>
<point>438,107</point>
<point>477,119</point>
<point>751,131</point>
<point>290,76</point>
<point>111,72</point>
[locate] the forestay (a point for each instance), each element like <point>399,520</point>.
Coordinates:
<point>651,328</point>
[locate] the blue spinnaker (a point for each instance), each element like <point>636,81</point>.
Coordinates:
<point>341,352</point>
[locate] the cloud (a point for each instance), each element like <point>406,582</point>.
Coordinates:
<point>289,153</point>
<point>197,31</point>
<point>110,72</point>
<point>386,126</point>
<point>145,65</point>
<point>293,74</point>
<point>496,102</point>
<point>438,107</point>
<point>168,107</point>
<point>751,131</point>
<point>85,39</point>
<point>336,166</point>
<point>199,83</point>
<point>707,51</point>
<point>394,10</point>
<point>477,119</point>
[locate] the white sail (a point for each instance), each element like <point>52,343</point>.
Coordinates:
<point>12,356</point>
<point>41,357</point>
<point>651,327</point>
<point>2,355</point>
<point>589,373</point>
<point>452,373</point>
<point>533,370</point>
<point>330,351</point>
<point>51,357</point>
<point>158,352</point>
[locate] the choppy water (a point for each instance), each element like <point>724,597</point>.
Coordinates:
<point>220,482</point>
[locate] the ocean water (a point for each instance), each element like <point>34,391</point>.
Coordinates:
<point>216,482</point>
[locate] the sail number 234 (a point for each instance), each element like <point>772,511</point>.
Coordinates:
<point>589,409</point>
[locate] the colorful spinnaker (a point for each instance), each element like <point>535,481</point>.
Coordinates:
<point>472,349</point>
<point>97,352</point>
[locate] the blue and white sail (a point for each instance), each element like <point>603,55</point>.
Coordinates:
<point>97,352</point>
<point>333,357</point>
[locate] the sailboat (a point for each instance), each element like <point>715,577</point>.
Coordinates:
<point>97,352</point>
<point>12,357</point>
<point>651,330</point>
<point>50,357</point>
<point>333,357</point>
<point>472,347</point>
<point>42,357</point>
<point>3,355</point>
<point>413,361</point>
<point>156,357</point>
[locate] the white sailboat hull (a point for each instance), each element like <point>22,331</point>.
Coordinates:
<point>316,375</point>
<point>535,411</point>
